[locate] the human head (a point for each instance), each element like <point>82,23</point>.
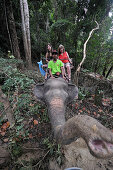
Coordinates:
<point>54,55</point>
<point>61,49</point>
<point>49,47</point>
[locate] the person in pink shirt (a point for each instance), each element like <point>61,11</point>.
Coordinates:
<point>64,57</point>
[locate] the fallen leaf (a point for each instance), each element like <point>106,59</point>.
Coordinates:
<point>100,110</point>
<point>3,133</point>
<point>76,104</point>
<point>6,139</point>
<point>31,126</point>
<point>8,124</point>
<point>39,135</point>
<point>105,104</point>
<point>98,115</point>
<point>94,113</point>
<point>42,110</point>
<point>80,111</point>
<point>88,112</point>
<point>84,108</point>
<point>93,95</point>
<point>35,122</point>
<point>31,104</point>
<point>30,136</point>
<point>4,126</point>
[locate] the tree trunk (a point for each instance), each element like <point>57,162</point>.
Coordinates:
<point>26,31</point>
<point>55,6</point>
<point>12,30</point>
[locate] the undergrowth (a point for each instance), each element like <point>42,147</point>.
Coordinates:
<point>19,90</point>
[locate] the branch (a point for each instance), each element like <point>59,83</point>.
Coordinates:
<point>84,51</point>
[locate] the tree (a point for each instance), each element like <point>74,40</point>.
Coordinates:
<point>26,31</point>
<point>11,28</point>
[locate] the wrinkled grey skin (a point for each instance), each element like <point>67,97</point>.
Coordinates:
<point>57,93</point>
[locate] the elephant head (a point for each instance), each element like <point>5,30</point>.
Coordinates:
<point>57,93</point>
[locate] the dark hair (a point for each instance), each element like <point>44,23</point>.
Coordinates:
<point>54,52</point>
<point>51,48</point>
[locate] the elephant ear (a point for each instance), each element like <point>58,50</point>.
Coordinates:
<point>72,92</point>
<point>39,91</point>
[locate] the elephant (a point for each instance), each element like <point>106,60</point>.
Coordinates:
<point>56,94</point>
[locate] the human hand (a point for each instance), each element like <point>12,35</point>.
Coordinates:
<point>52,77</point>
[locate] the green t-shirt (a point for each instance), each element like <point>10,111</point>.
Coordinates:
<point>55,67</point>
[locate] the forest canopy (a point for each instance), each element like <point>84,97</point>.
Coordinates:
<point>66,22</point>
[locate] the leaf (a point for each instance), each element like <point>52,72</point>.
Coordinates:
<point>6,140</point>
<point>94,113</point>
<point>7,124</point>
<point>35,122</point>
<point>100,110</point>
<point>3,133</point>
<point>4,126</point>
<point>76,105</point>
<point>19,127</point>
<point>31,104</point>
<point>88,112</point>
<point>105,104</point>
<point>30,136</point>
<point>20,120</point>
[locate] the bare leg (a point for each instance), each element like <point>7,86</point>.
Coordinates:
<point>46,75</point>
<point>69,72</point>
<point>64,71</point>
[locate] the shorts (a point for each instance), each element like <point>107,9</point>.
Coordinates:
<point>66,64</point>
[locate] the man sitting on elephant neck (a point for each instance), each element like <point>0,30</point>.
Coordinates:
<point>55,66</point>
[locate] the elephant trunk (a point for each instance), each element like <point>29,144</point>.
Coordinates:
<point>56,111</point>
<point>98,138</point>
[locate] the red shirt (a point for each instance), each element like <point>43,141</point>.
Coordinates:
<point>64,57</point>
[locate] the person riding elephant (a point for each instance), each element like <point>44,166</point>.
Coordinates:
<point>48,58</point>
<point>55,66</point>
<point>64,57</point>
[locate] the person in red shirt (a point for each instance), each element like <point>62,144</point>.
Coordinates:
<point>64,57</point>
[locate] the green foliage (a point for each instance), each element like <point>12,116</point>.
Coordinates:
<point>54,150</point>
<point>82,93</point>
<point>16,150</point>
<point>18,88</point>
<point>13,78</point>
<point>44,116</point>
